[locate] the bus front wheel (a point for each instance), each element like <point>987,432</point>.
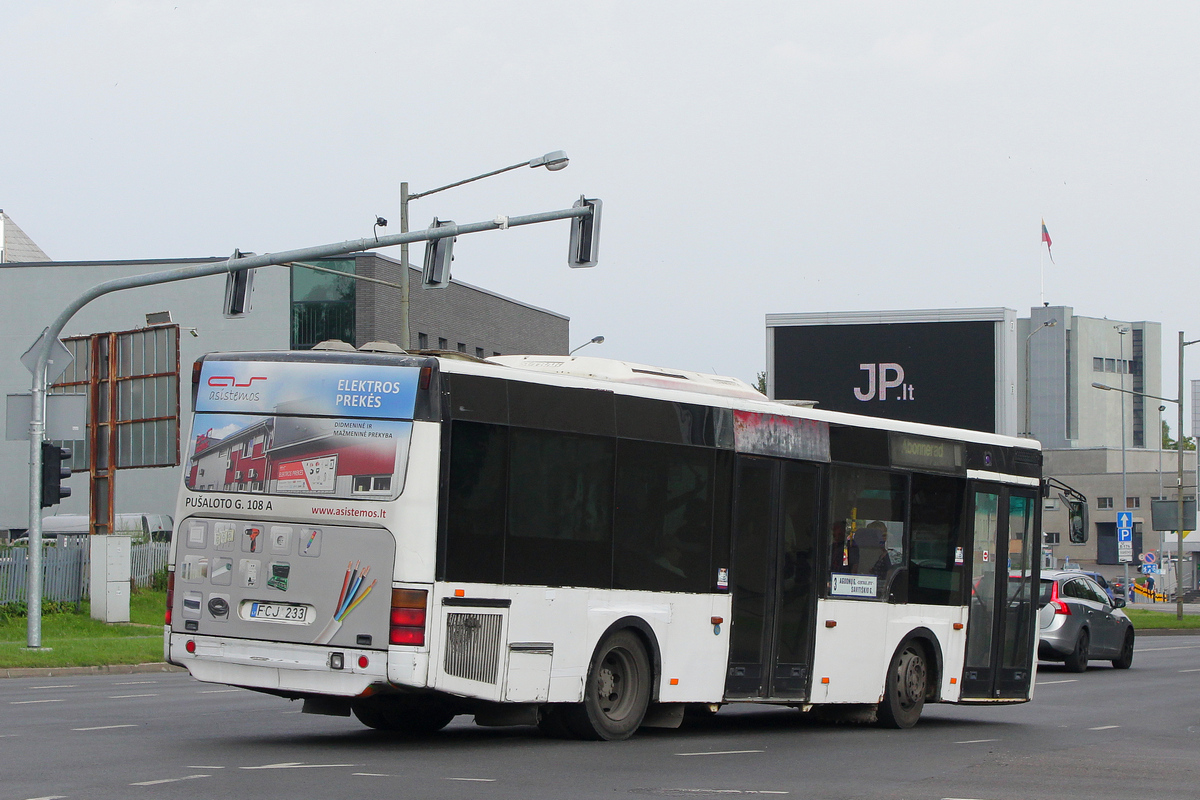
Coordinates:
<point>617,692</point>
<point>905,688</point>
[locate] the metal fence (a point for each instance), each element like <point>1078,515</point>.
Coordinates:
<point>66,568</point>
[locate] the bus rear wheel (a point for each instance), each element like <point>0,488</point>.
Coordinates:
<point>408,715</point>
<point>905,688</point>
<point>617,692</point>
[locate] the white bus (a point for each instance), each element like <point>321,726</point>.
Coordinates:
<point>588,545</point>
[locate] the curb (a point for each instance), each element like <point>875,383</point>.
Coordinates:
<point>110,669</point>
<point>1166,631</point>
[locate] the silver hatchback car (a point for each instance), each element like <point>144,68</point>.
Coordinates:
<point>1079,621</point>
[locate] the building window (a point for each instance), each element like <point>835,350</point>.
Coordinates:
<point>322,304</point>
<point>1051,537</point>
<point>1104,502</point>
<point>495,353</point>
<point>479,352</point>
<point>1110,365</point>
<point>1097,365</point>
<point>442,343</point>
<point>423,341</point>
<point>1133,502</point>
<point>462,347</point>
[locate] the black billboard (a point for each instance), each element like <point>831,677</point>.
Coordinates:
<point>942,373</point>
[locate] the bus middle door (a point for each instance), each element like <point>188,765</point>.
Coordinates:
<point>772,579</point>
<point>1000,634</point>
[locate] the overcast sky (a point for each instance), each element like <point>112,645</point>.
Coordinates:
<point>753,158</point>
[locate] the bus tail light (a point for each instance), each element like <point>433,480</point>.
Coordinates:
<point>170,596</point>
<point>407,621</point>
<point>1059,606</point>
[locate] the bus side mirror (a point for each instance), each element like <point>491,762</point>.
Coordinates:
<point>1077,519</point>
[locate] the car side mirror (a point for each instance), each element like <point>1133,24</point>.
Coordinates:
<point>1118,602</point>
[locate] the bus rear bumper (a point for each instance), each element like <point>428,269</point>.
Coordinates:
<point>303,669</point>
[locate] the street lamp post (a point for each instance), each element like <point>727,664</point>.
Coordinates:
<point>553,161</point>
<point>1050,323</point>
<point>1121,370</point>
<point>593,340</point>
<point>1178,469</point>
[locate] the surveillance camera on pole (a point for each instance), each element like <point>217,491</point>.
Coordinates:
<point>585,235</point>
<point>438,255</point>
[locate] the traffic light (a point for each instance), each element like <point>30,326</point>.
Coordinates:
<point>438,255</point>
<point>585,235</point>
<point>238,286</point>
<point>53,471</point>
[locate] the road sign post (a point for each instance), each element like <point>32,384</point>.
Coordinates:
<point>1124,537</point>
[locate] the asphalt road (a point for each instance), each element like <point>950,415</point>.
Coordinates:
<point>1101,734</point>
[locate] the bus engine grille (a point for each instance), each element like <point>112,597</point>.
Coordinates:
<point>473,646</point>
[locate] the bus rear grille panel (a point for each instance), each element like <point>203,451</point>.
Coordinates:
<point>473,646</point>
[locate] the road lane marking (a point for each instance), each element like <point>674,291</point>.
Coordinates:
<point>51,797</point>
<point>27,702</point>
<point>133,683</point>
<point>1189,670</point>
<point>1104,728</point>
<point>297,765</point>
<point>477,780</point>
<point>728,791</point>
<point>977,741</point>
<point>105,727</point>
<point>720,753</point>
<point>1051,683</point>
<point>124,696</point>
<point>74,685</point>
<point>372,774</point>
<point>169,780</point>
<point>217,691</point>
<point>211,766</point>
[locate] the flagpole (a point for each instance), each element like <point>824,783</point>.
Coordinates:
<point>1042,271</point>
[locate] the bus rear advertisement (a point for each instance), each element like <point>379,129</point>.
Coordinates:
<point>589,546</point>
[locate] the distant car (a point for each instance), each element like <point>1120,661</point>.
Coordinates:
<point>1080,622</point>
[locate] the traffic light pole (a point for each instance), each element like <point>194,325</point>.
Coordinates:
<point>37,423</point>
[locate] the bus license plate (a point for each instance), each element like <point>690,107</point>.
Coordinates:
<point>293,613</point>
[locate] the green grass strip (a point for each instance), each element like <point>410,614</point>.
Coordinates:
<point>77,640</point>
<point>1162,618</point>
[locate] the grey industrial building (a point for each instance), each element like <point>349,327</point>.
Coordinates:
<point>293,308</point>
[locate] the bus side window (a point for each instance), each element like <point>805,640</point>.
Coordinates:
<point>867,511</point>
<point>936,561</point>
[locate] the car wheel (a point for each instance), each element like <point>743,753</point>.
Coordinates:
<point>1078,660</point>
<point>905,688</point>
<point>1125,660</point>
<point>617,692</point>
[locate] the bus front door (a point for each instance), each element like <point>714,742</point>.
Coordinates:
<point>1000,632</point>
<point>772,579</point>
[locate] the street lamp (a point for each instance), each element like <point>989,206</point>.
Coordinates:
<point>1050,323</point>
<point>1178,468</point>
<point>553,161</point>
<point>593,340</point>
